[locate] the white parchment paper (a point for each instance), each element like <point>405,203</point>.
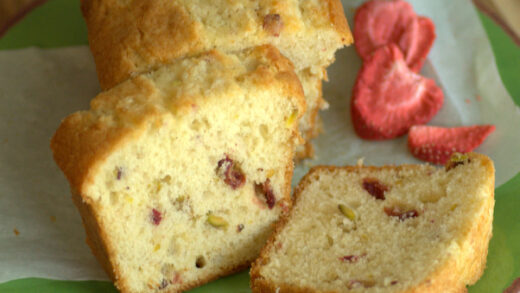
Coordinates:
<point>40,87</point>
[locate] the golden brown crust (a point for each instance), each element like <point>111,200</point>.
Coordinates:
<point>128,39</point>
<point>95,235</point>
<point>305,152</point>
<point>83,139</point>
<point>453,276</point>
<point>339,21</point>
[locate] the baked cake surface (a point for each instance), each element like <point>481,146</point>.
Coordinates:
<point>180,173</point>
<point>411,228</point>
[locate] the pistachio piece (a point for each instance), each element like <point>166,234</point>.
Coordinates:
<point>455,160</point>
<point>292,118</point>
<point>347,212</point>
<point>216,221</point>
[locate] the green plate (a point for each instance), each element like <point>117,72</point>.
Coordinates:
<point>59,23</point>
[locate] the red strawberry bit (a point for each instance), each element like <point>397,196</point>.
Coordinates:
<point>375,188</point>
<point>266,190</point>
<point>230,172</point>
<point>119,173</point>
<point>283,206</point>
<point>437,144</point>
<point>156,217</point>
<point>396,212</point>
<point>388,98</point>
<point>378,23</point>
<point>352,258</point>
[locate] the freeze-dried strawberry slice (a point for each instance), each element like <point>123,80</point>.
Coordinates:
<point>378,23</point>
<point>388,98</point>
<point>417,41</point>
<point>437,144</point>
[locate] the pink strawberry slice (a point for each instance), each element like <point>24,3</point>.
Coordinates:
<point>437,144</point>
<point>378,23</point>
<point>388,98</point>
<point>416,42</point>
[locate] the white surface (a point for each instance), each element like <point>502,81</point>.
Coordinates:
<point>40,87</point>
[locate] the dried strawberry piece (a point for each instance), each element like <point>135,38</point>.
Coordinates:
<point>273,24</point>
<point>396,212</point>
<point>437,144</point>
<point>375,188</point>
<point>378,23</point>
<point>417,41</point>
<point>266,190</point>
<point>230,172</point>
<point>352,258</point>
<point>388,98</point>
<point>119,173</point>
<point>156,217</point>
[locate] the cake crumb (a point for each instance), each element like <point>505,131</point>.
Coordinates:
<point>16,232</point>
<point>53,219</point>
<point>360,162</point>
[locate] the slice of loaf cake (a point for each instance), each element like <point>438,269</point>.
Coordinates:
<point>412,228</point>
<point>180,173</point>
<point>129,37</point>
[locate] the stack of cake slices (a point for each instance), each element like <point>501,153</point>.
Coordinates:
<point>132,37</point>
<point>184,162</point>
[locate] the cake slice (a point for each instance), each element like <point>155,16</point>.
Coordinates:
<point>411,228</point>
<point>129,37</point>
<point>180,173</point>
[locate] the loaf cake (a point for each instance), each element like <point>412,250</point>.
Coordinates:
<point>180,173</point>
<point>411,228</point>
<point>129,37</point>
